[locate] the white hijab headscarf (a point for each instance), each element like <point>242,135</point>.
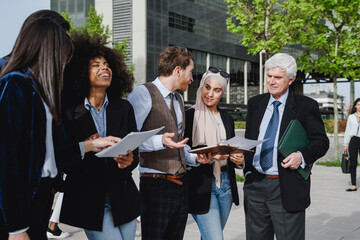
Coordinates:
<point>205,129</point>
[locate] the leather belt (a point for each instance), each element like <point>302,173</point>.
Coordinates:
<point>272,176</point>
<point>171,178</point>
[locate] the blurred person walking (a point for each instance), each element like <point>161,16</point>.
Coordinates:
<point>352,141</point>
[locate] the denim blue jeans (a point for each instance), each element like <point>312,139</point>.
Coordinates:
<point>211,224</point>
<point>110,232</point>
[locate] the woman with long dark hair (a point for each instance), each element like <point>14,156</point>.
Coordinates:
<point>100,194</point>
<point>352,141</point>
<point>30,98</point>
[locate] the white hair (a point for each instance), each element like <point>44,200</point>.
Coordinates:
<point>283,61</point>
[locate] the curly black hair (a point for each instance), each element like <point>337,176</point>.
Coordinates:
<point>76,76</point>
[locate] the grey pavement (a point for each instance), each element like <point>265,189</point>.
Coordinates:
<point>334,214</point>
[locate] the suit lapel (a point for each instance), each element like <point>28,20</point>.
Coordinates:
<point>289,113</point>
<point>86,123</point>
<point>259,112</point>
<point>113,118</point>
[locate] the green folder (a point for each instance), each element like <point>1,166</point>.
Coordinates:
<point>295,138</point>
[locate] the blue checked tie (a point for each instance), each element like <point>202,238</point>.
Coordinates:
<point>267,149</point>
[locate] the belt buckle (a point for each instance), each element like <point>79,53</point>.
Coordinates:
<point>154,175</point>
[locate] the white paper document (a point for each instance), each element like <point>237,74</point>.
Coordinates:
<point>130,142</point>
<point>242,143</point>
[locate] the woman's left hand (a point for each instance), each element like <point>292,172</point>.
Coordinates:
<point>124,161</point>
<point>237,158</point>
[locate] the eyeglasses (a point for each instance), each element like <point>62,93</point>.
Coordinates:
<point>216,70</point>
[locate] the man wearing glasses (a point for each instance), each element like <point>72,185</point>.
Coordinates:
<point>275,195</point>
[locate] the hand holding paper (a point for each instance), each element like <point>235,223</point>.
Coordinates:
<point>124,160</point>
<point>130,142</point>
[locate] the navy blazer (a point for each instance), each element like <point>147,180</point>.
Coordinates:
<point>91,179</point>
<point>200,178</point>
<point>295,191</point>
<point>22,148</point>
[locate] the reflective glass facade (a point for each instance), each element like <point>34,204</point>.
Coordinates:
<point>78,9</point>
<point>199,25</point>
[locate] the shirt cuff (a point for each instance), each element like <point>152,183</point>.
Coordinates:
<point>190,158</point>
<point>303,164</point>
<point>82,150</point>
<point>152,144</point>
<point>19,231</point>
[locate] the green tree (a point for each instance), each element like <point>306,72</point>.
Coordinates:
<point>94,25</point>
<point>332,32</point>
<point>263,24</point>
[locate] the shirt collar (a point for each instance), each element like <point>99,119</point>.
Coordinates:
<point>163,90</point>
<point>282,99</point>
<point>88,105</point>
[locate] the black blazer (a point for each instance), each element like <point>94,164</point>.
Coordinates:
<point>295,191</point>
<point>200,178</point>
<point>89,180</point>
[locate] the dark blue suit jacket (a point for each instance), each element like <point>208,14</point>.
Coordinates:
<point>22,148</point>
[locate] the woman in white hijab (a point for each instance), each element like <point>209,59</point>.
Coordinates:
<point>212,187</point>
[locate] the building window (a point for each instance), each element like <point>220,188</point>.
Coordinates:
<point>199,70</point>
<point>236,72</point>
<point>253,74</point>
<point>181,22</point>
<point>219,62</point>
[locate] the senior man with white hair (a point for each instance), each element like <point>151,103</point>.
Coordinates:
<point>275,195</point>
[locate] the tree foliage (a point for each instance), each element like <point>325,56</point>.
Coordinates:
<point>262,24</point>
<point>332,32</point>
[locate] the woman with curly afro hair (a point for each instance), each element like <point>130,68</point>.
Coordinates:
<point>100,194</point>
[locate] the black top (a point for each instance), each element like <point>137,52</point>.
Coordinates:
<point>200,178</point>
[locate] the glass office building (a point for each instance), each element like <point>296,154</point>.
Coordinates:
<point>200,25</point>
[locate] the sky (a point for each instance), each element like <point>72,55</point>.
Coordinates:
<point>12,15</point>
<point>14,12</point>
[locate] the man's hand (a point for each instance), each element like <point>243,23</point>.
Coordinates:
<point>237,158</point>
<point>19,236</point>
<point>292,161</point>
<point>346,148</point>
<point>97,144</point>
<point>203,158</point>
<point>167,141</point>
<point>124,160</point>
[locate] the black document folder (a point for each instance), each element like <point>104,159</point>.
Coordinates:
<point>295,138</point>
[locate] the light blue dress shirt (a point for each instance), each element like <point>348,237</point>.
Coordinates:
<point>140,99</point>
<point>99,119</point>
<point>264,123</point>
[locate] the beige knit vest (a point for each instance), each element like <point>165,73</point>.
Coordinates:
<point>169,160</point>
